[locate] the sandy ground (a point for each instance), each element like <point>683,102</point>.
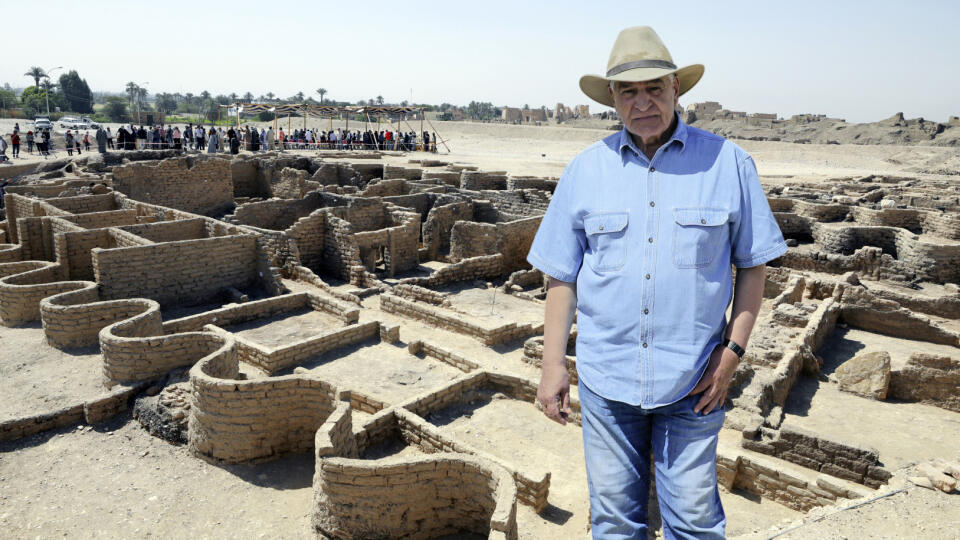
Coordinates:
<point>118,481</point>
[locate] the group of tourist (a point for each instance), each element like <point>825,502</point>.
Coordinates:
<point>340,139</point>
<point>41,140</point>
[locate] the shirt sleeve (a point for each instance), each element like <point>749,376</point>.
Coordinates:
<point>756,236</point>
<point>558,247</point>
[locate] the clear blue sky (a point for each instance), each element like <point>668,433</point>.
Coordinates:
<point>862,61</point>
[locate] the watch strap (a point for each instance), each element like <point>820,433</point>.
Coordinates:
<point>734,346</point>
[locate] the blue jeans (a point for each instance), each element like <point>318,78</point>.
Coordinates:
<point>618,439</point>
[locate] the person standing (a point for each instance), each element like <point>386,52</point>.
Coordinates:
<point>212,142</point>
<point>30,141</point>
<point>15,143</point>
<point>101,140</point>
<point>68,142</point>
<point>110,139</point>
<point>639,239</point>
<point>3,149</point>
<point>86,141</point>
<point>176,138</point>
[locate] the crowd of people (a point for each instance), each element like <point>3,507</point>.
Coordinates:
<point>214,140</point>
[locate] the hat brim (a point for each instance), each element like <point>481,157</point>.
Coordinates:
<point>597,88</point>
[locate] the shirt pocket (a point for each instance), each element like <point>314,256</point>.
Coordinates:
<point>698,235</point>
<point>606,238</point>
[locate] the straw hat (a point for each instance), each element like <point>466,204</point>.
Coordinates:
<point>638,55</point>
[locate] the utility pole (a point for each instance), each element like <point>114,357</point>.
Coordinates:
<point>46,92</point>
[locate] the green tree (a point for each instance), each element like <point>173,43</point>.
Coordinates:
<point>379,100</point>
<point>322,92</point>
<point>165,102</point>
<point>116,109</point>
<point>36,73</point>
<point>248,97</point>
<point>77,92</point>
<point>34,100</point>
<point>8,99</point>
<point>132,88</point>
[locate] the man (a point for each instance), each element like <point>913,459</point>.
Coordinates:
<point>101,140</point>
<point>639,237</point>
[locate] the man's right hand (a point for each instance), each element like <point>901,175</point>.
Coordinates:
<point>554,392</point>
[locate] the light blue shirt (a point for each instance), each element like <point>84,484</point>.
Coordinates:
<point>650,244</point>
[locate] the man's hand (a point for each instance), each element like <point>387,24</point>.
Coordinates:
<point>716,380</point>
<point>554,392</point>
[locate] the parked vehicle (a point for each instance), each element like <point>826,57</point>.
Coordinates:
<point>41,123</point>
<point>72,122</point>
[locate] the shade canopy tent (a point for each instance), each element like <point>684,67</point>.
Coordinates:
<point>329,111</point>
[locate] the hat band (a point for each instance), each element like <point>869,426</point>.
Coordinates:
<point>663,64</point>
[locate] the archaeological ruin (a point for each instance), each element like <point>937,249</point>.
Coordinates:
<point>381,317</point>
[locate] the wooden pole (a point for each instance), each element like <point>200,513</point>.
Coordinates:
<point>303,110</point>
<point>421,130</point>
<point>435,131</point>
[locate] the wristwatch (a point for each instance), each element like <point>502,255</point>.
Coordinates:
<point>733,346</point>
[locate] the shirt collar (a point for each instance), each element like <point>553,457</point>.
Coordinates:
<point>679,135</point>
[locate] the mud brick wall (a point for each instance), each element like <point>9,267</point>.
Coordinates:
<point>531,182</point>
<point>75,318</point>
<point>235,421</point>
<point>397,171</point>
<point>35,238</point>
<point>335,438</point>
<point>237,313</point>
<point>483,267</point>
<point>386,188</point>
<point>84,203</point>
<point>243,175</point>
<point>443,355</point>
<point>325,244</point>
<point>10,253</point>
<point>24,284</point>
<point>531,202</point>
<point>928,378</point>
<point>480,180</point>
<point>863,310</point>
<point>421,497</point>
<point>888,217</point>
<point>422,294</point>
<point>439,223</point>
<point>274,360</point>
<point>533,355</point>
<point>453,321</point>
<point>849,462</point>
<point>450,178</point>
<point>793,226</point>
<point>18,206</point>
<point>73,251</point>
<point>797,491</point>
<point>176,272</point>
<point>470,239</point>
<point>98,220</point>
<point>169,231</point>
<point>136,349</point>
<point>421,203</point>
<point>200,185</point>
<point>942,224</point>
<point>276,214</point>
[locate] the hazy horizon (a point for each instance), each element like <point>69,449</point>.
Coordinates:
<point>862,64</point>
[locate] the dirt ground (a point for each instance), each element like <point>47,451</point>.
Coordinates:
<point>116,480</point>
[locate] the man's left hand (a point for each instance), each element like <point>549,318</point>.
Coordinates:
<point>716,380</point>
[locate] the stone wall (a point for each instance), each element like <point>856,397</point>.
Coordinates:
<point>202,185</point>
<point>272,360</point>
<point>169,231</point>
<point>439,224</point>
<point>234,420</point>
<point>849,462</point>
<point>177,272</point>
<point>453,321</point>
<point>512,240</point>
<point>928,378</point>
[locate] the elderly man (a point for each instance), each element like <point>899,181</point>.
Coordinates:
<point>639,238</point>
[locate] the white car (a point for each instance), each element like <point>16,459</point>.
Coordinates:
<point>41,123</point>
<point>72,122</point>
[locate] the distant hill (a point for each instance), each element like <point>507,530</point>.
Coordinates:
<point>808,128</point>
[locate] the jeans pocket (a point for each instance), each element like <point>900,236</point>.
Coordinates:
<point>606,239</point>
<point>698,236</point>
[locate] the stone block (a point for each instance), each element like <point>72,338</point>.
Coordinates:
<point>866,374</point>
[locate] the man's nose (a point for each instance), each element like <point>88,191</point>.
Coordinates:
<point>642,102</point>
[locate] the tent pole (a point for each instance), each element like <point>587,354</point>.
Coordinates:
<point>435,131</point>
<point>421,128</point>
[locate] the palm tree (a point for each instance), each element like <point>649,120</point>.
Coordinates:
<point>299,96</point>
<point>36,73</point>
<point>270,96</point>
<point>248,97</point>
<point>379,100</point>
<point>132,89</point>
<point>233,97</point>
<point>322,92</point>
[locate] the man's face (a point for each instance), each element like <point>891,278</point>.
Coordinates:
<point>646,108</point>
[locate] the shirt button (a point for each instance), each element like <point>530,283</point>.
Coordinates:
<point>646,311</point>
<point>652,169</point>
<point>652,203</point>
<point>648,276</point>
<point>650,239</point>
<point>702,222</point>
<point>644,345</point>
<point>601,227</point>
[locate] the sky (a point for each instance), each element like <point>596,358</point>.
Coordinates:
<point>861,61</point>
